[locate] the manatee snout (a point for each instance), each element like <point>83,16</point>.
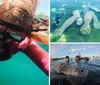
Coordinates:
<point>79,75</point>
<point>71,69</point>
<point>80,71</point>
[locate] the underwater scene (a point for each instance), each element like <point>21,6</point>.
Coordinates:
<point>75,20</point>
<point>21,70</point>
<point>75,64</point>
<point>24,42</point>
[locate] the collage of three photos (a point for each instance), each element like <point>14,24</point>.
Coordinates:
<point>49,42</point>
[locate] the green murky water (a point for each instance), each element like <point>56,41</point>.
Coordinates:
<point>72,33</point>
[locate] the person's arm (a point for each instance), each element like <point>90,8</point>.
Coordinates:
<point>34,52</point>
<point>38,56</point>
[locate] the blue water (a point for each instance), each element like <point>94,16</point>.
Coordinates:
<point>72,33</point>
<point>21,70</point>
<point>94,70</point>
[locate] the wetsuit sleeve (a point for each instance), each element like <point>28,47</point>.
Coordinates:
<point>38,56</point>
<point>34,52</point>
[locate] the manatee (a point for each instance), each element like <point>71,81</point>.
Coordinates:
<point>85,9</point>
<point>86,29</point>
<point>79,21</point>
<point>96,21</point>
<point>93,8</point>
<point>67,23</point>
<point>68,73</point>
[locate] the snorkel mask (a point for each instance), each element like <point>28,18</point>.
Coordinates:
<point>17,33</point>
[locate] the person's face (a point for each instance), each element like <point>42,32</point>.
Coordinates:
<point>77,59</point>
<point>67,60</point>
<point>85,60</point>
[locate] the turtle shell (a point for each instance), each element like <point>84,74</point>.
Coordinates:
<point>18,13</point>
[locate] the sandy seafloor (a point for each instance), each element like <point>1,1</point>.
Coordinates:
<point>72,33</point>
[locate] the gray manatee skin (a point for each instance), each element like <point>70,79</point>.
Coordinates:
<point>74,74</point>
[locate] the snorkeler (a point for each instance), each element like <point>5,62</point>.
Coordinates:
<point>86,59</point>
<point>77,59</point>
<point>57,19</point>
<point>67,59</point>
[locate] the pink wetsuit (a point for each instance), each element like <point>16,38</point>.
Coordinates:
<point>34,52</point>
